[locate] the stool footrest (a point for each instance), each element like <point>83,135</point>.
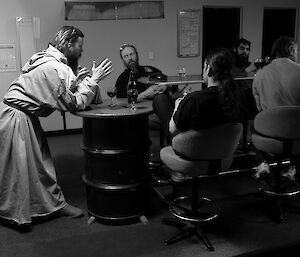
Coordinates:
<point>207,210</point>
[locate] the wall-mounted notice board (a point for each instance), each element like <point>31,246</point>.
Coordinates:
<point>188,33</point>
<point>28,29</point>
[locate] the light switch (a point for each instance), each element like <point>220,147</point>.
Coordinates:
<point>151,55</point>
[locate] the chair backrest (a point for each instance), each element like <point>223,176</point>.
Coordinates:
<point>281,122</point>
<point>213,143</point>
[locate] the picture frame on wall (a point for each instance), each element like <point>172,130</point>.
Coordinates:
<point>188,32</point>
<point>114,10</point>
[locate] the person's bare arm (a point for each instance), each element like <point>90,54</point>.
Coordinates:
<point>172,126</point>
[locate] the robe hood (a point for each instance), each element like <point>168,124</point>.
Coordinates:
<point>47,55</point>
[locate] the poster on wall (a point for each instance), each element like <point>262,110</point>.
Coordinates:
<point>7,58</point>
<point>28,29</point>
<point>188,33</point>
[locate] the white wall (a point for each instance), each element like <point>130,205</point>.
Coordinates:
<point>103,38</point>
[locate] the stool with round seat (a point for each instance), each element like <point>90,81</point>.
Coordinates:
<point>277,134</point>
<point>198,154</point>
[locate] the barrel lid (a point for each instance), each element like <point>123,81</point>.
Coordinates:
<point>121,109</point>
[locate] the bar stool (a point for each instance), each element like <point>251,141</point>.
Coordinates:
<point>277,133</point>
<point>198,154</point>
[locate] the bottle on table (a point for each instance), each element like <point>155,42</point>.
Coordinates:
<point>132,91</point>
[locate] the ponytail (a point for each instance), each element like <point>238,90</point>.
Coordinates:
<point>221,61</point>
<point>227,98</point>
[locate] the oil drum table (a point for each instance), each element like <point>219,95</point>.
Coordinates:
<point>116,149</point>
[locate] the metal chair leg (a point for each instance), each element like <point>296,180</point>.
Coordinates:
<point>204,239</point>
<point>278,210</point>
<point>181,235</point>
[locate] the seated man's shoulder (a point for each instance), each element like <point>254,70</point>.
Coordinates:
<point>123,76</point>
<point>152,73</point>
<point>194,96</point>
<point>149,69</point>
<point>124,72</point>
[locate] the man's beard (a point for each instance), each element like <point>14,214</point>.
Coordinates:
<point>73,64</point>
<point>241,61</point>
<point>133,66</point>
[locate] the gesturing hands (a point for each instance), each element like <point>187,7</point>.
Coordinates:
<point>82,72</point>
<point>102,70</point>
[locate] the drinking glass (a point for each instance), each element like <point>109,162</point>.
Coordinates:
<point>181,71</point>
<point>259,63</point>
<point>267,59</point>
<point>112,92</point>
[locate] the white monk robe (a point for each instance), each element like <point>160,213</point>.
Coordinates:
<point>28,183</point>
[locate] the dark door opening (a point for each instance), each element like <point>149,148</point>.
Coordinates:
<point>221,28</point>
<point>277,22</point>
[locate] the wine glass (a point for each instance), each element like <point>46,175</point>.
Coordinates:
<point>259,63</point>
<point>112,92</point>
<point>267,59</point>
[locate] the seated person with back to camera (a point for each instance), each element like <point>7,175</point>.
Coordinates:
<point>277,84</point>
<point>146,89</point>
<point>163,106</point>
<point>210,107</point>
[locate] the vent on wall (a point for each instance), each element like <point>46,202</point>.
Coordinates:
<point>114,10</point>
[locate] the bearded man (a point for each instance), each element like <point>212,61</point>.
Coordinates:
<point>49,81</point>
<point>146,89</point>
<point>242,67</point>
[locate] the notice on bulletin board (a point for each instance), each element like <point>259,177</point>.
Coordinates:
<point>188,33</point>
<point>7,58</point>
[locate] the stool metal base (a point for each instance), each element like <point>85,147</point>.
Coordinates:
<point>192,229</point>
<point>191,219</point>
<point>278,196</point>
